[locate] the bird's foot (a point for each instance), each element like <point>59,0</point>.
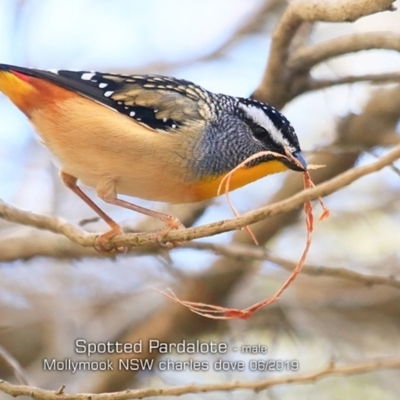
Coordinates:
<point>102,242</point>
<point>170,224</point>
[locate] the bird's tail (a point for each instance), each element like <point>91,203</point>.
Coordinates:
<point>17,86</point>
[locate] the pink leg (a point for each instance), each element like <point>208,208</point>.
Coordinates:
<point>70,182</point>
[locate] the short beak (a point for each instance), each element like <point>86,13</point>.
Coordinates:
<point>300,158</point>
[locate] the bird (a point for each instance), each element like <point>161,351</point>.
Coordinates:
<point>153,137</point>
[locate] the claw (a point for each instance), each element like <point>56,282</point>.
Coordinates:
<point>171,223</point>
<point>102,242</point>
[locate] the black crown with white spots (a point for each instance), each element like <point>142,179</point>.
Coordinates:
<point>165,103</point>
<point>278,119</point>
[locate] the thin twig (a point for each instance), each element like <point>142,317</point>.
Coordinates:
<point>14,365</point>
<point>307,57</point>
<point>77,235</point>
<point>318,84</point>
<point>241,252</point>
<point>392,166</point>
<point>256,386</point>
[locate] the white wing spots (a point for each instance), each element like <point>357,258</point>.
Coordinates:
<point>132,114</point>
<point>53,71</point>
<point>164,120</point>
<point>103,85</point>
<point>108,93</point>
<point>260,118</point>
<point>173,126</point>
<point>87,76</point>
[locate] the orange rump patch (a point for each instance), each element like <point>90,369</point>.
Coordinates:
<point>29,93</point>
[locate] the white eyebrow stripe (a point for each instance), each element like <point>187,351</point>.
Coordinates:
<point>260,118</point>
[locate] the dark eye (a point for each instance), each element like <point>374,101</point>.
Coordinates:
<point>259,132</point>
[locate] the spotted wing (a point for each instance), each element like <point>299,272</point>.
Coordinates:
<point>158,102</point>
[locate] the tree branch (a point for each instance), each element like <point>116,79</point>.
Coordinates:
<point>276,86</point>
<point>307,57</point>
<point>77,235</point>
<point>257,386</point>
<point>242,252</point>
<point>319,84</point>
<point>51,245</point>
